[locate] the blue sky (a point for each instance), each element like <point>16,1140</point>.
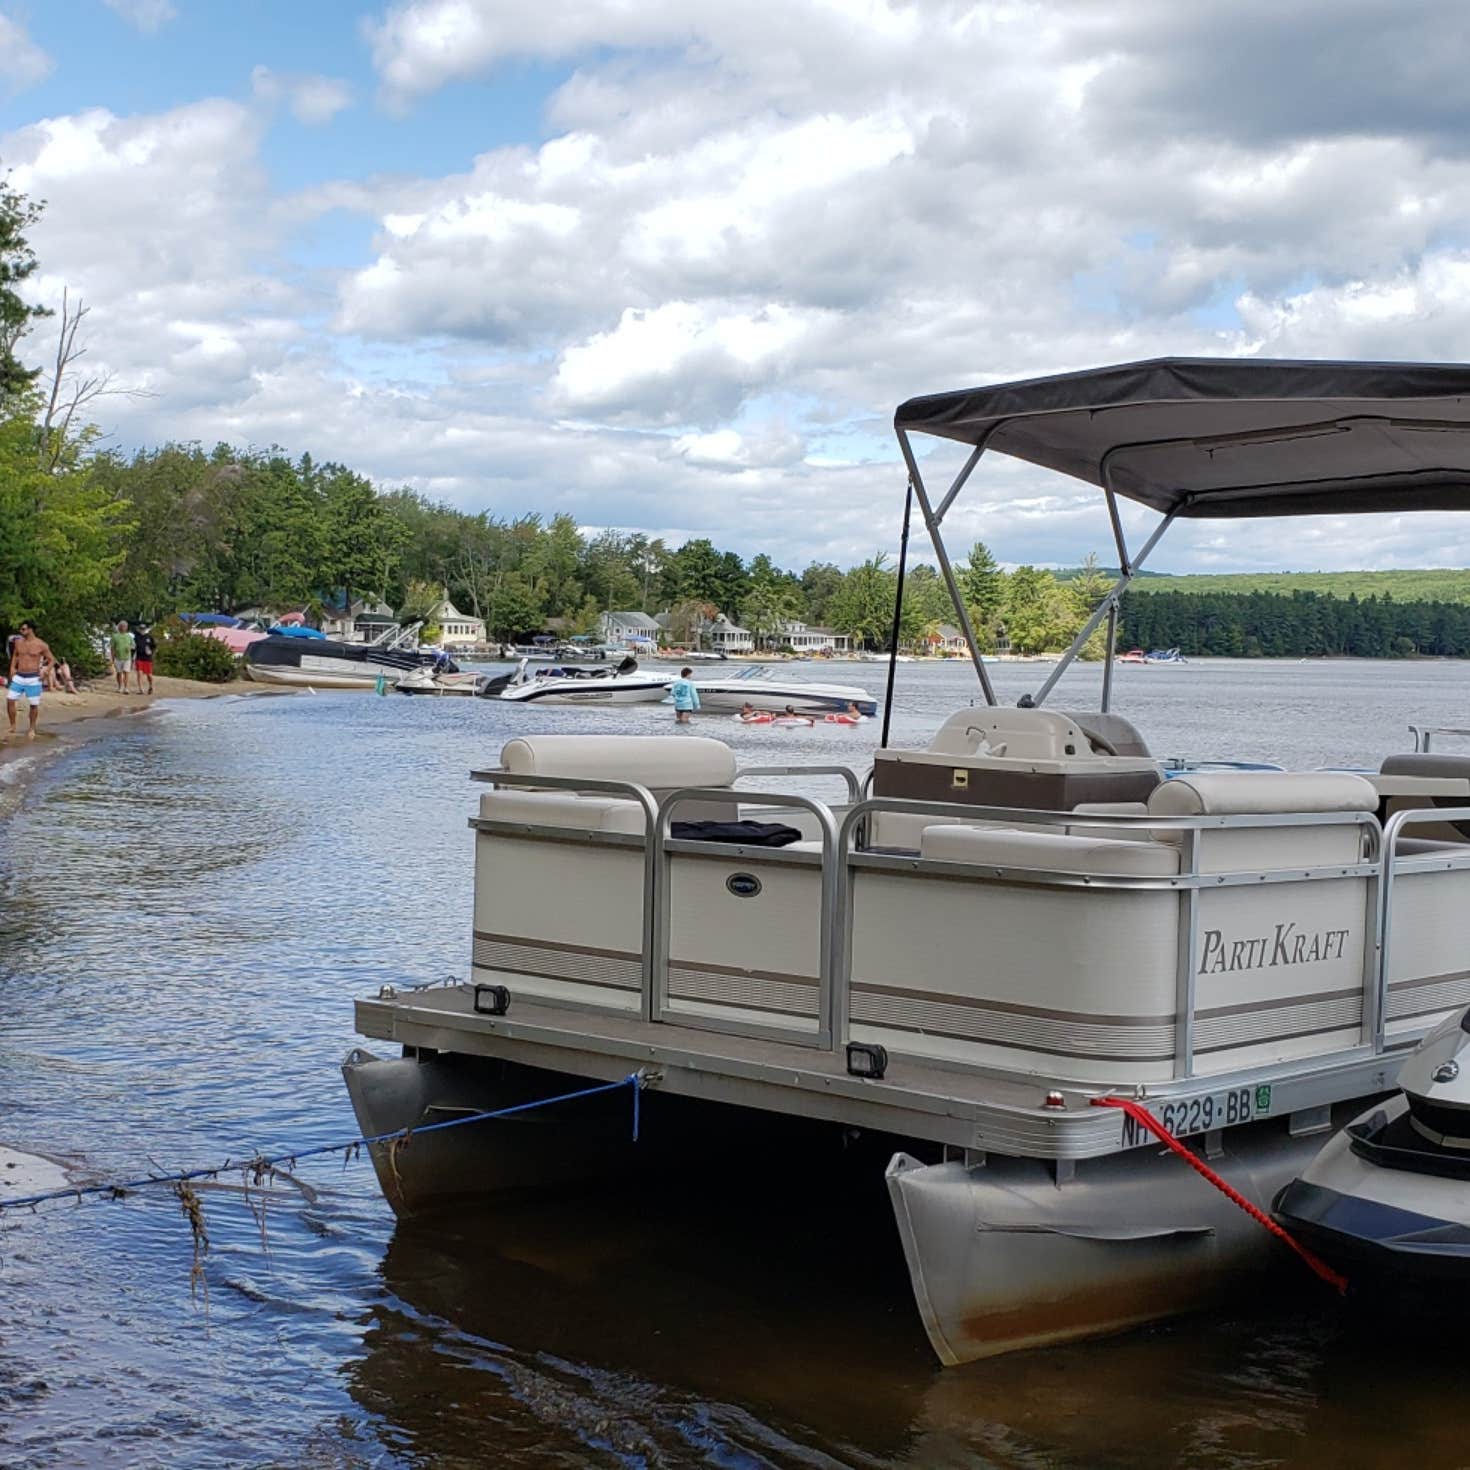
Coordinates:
<point>671,266</point>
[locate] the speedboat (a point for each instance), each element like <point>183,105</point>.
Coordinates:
<point>757,685</point>
<point>987,960</point>
<point>571,684</point>
<point>321,663</point>
<point>1133,656</point>
<point>1164,656</point>
<point>1387,1201</point>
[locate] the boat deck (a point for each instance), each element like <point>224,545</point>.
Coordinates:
<point>970,1109</point>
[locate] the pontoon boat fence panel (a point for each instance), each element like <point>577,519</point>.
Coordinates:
<point>1189,883</point>
<point>660,920</point>
<point>1423,734</point>
<point>630,790</point>
<point>1422,863</point>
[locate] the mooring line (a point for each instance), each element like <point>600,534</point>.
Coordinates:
<point>259,1165</point>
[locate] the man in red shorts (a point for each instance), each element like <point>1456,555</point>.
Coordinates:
<point>143,645</point>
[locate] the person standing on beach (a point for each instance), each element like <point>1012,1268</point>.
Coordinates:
<point>122,654</point>
<point>28,656</point>
<point>686,697</point>
<point>143,645</point>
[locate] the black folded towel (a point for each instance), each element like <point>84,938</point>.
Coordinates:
<point>747,834</point>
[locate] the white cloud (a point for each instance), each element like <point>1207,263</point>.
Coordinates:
<point>313,100</point>
<point>744,233</point>
<point>147,15</point>
<point>22,62</point>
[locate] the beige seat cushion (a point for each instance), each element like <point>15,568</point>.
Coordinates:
<point>1010,849</point>
<point>659,762</point>
<point>1254,793</point>
<point>563,809</point>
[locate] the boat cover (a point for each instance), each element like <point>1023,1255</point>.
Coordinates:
<point>1232,437</point>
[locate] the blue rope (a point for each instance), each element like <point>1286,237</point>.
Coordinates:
<point>631,1080</point>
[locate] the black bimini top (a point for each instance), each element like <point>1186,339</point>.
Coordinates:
<point>1221,437</point>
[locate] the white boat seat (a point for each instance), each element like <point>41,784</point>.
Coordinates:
<point>1261,793</point>
<point>1253,793</point>
<point>659,762</point>
<point>1052,852</point>
<point>584,813</point>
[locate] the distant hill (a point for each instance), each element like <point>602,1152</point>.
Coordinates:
<point>1435,584</point>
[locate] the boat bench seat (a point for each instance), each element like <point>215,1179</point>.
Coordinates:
<point>660,763</point>
<point>581,811</point>
<point>1059,852</point>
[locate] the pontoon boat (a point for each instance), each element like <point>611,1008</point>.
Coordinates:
<point>980,940</point>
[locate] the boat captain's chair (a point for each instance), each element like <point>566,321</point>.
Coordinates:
<point>1061,952</point>
<point>559,875</point>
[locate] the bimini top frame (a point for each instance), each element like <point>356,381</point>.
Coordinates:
<point>1218,438</point>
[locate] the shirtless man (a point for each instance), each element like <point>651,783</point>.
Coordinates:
<point>28,655</point>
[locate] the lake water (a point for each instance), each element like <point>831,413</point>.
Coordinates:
<point>187,910</point>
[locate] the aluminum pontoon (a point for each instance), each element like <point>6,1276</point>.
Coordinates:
<point>981,939</point>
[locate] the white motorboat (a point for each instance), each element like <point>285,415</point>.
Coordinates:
<point>984,948</point>
<point>426,681</point>
<point>568,684</point>
<point>320,663</point>
<point>758,685</point>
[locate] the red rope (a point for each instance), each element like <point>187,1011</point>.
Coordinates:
<point>1146,1119</point>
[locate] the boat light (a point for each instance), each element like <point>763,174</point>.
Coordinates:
<point>491,1000</point>
<point>867,1059</point>
<point>1054,1100</point>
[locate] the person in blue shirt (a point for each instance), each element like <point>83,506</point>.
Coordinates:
<point>686,697</point>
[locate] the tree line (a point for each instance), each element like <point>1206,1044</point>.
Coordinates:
<point>1298,624</point>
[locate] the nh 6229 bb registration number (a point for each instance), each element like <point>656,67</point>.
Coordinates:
<point>1200,1114</point>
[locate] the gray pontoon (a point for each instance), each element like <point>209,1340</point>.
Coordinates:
<point>978,940</point>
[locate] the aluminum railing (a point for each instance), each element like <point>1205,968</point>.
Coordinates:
<point>1424,734</point>
<point>842,859</point>
<point>1423,862</point>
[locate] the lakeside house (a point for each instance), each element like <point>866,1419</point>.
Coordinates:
<point>800,638</point>
<point>727,637</point>
<point>359,621</point>
<point>628,629</point>
<point>946,638</point>
<point>457,629</point>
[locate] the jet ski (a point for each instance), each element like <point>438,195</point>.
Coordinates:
<point>1387,1201</point>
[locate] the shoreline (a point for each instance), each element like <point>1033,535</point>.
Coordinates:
<point>69,721</point>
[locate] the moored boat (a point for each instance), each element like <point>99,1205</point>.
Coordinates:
<point>758,685</point>
<point>622,683</point>
<point>1025,923</point>
<point>320,663</point>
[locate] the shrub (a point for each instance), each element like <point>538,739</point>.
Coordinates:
<point>186,655</point>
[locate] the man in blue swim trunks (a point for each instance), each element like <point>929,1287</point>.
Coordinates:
<point>28,656</point>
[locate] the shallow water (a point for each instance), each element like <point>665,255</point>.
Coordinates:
<point>187,910</point>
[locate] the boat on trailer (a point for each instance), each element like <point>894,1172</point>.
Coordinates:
<point>978,942</point>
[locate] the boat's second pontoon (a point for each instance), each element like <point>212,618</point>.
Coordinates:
<point>980,940</point>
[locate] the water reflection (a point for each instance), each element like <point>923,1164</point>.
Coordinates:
<point>187,912</point>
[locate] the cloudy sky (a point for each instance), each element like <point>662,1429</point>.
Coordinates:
<point>671,264</point>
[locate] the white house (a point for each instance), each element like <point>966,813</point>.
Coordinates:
<point>802,639</point>
<point>727,637</point>
<point>457,629</point>
<point>627,629</point>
